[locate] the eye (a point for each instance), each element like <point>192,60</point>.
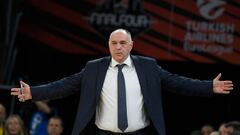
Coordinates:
<point>123,42</point>
<point>113,43</point>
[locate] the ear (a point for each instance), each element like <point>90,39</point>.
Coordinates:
<point>131,43</point>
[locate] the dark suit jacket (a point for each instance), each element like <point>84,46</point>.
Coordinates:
<point>153,79</point>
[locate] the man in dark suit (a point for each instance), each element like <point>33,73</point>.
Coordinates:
<point>98,86</point>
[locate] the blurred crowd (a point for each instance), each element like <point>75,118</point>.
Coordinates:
<point>228,128</point>
<point>43,121</point>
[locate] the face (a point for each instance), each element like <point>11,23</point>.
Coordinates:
<point>120,45</point>
<point>55,127</point>
<point>229,130</point>
<point>13,126</point>
<point>223,130</point>
<point>206,130</point>
<point>2,112</point>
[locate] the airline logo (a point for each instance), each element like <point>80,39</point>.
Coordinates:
<point>211,9</point>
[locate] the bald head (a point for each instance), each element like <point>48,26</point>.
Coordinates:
<point>124,31</point>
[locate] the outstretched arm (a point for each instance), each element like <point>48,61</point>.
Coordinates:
<point>23,93</point>
<point>43,106</point>
<point>222,87</point>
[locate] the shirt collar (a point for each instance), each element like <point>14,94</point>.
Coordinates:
<point>128,62</point>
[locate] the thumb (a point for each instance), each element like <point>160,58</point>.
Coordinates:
<point>218,77</point>
<point>23,84</point>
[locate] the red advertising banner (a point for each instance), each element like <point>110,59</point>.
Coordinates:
<point>209,29</point>
<point>174,30</point>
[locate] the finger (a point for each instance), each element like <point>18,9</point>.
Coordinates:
<point>21,100</point>
<point>14,93</point>
<point>227,82</point>
<point>225,92</point>
<point>228,85</point>
<point>228,88</point>
<point>218,77</point>
<point>14,89</point>
<point>20,96</point>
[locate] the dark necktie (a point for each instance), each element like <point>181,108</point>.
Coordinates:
<point>122,109</point>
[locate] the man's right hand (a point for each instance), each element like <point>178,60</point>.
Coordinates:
<point>24,95</point>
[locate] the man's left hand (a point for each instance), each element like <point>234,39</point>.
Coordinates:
<point>222,87</point>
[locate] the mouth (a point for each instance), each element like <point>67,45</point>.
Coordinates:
<point>119,53</point>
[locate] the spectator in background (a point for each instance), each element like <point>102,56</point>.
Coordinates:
<point>215,133</point>
<point>55,126</point>
<point>207,129</point>
<point>222,129</point>
<point>3,115</point>
<point>14,126</point>
<point>232,126</point>
<point>39,120</point>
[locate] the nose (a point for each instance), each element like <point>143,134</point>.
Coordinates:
<point>118,46</point>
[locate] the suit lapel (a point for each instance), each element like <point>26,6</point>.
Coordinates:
<point>141,74</point>
<point>102,70</point>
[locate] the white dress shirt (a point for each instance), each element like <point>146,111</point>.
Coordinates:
<point>106,112</point>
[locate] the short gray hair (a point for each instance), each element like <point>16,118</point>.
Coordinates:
<point>122,30</point>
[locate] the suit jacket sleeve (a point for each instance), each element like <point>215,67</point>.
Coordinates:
<point>183,85</point>
<point>58,89</point>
